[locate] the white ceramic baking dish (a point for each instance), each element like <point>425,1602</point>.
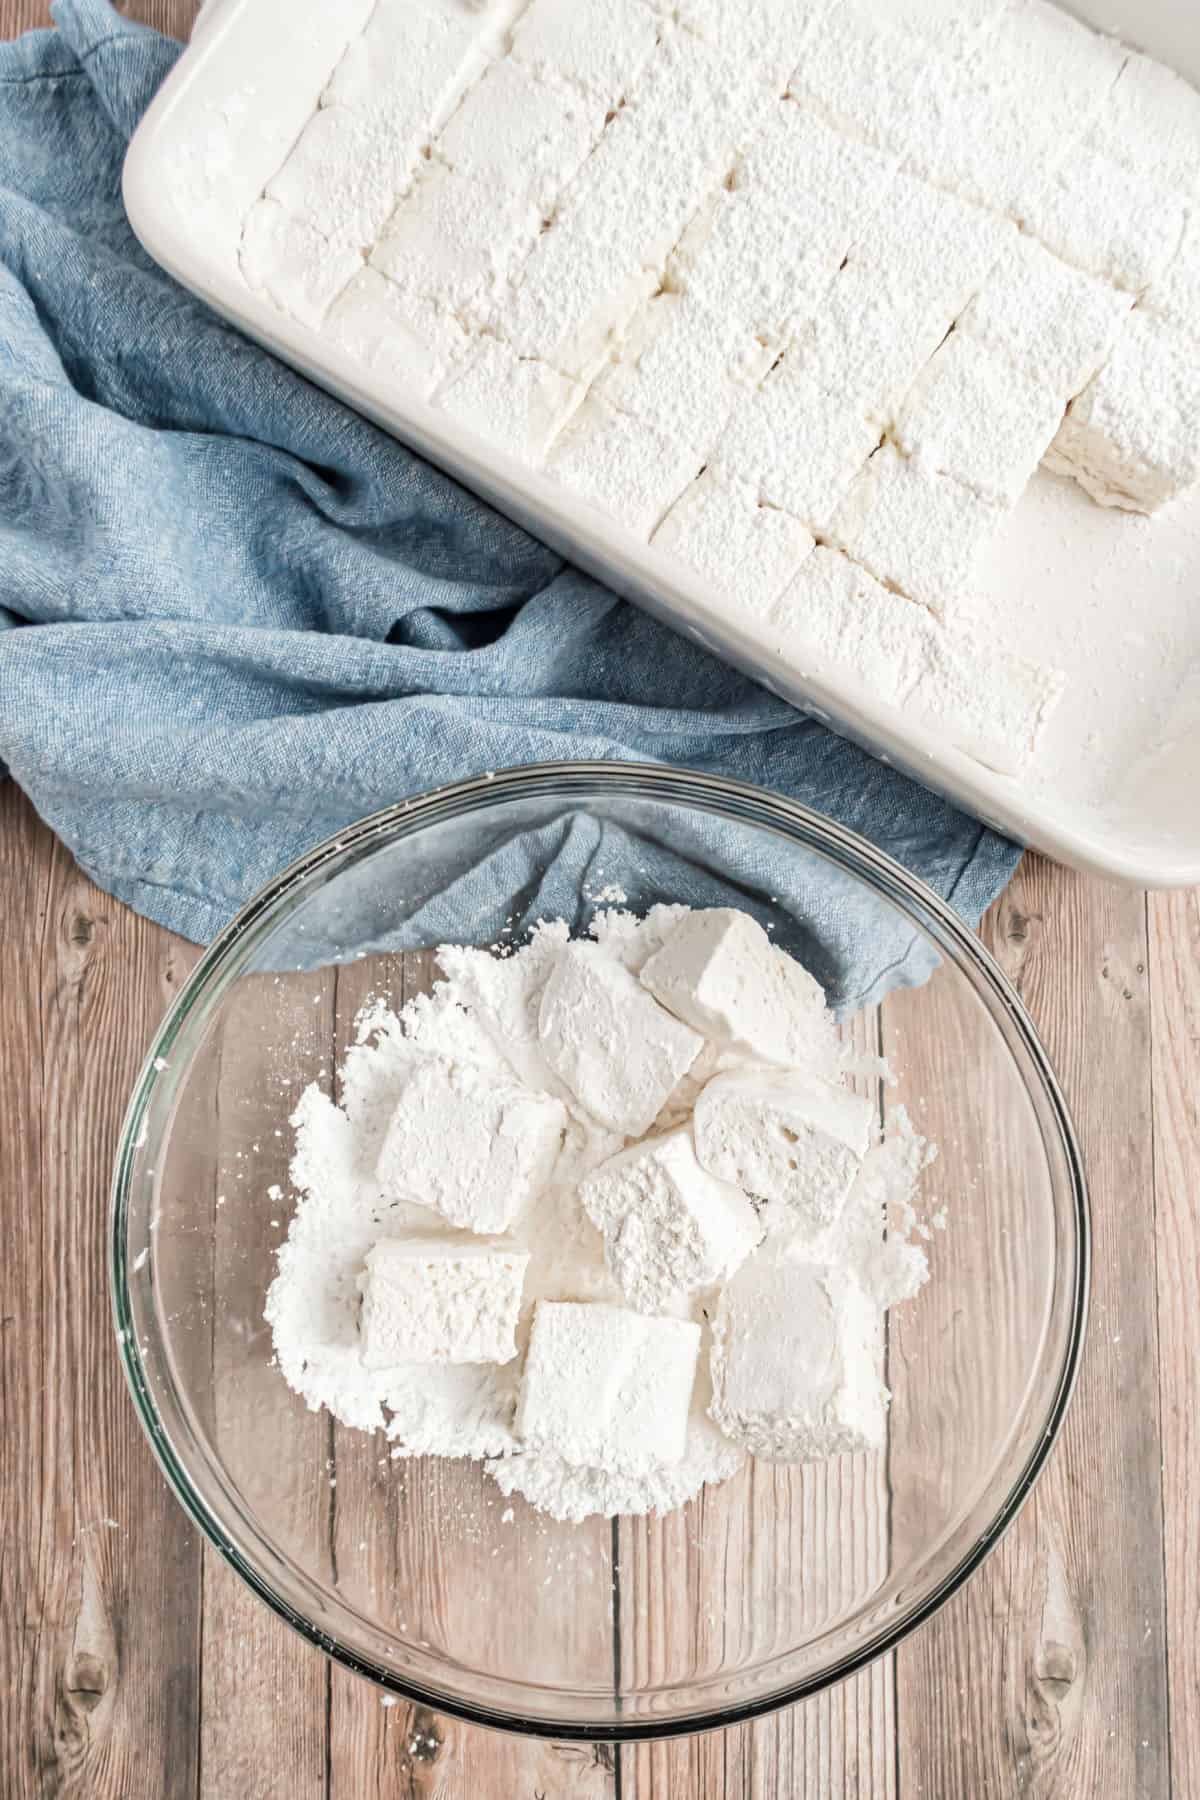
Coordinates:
<point>1113,600</point>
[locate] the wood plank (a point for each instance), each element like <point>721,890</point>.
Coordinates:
<point>435,1540</point>
<point>276,1037</point>
<point>172,16</point>
<point>1175,988</point>
<point>1047,1675</point>
<point>100,1690</point>
<point>747,1571</point>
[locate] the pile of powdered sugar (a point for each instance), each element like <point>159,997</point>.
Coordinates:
<point>488,1015</point>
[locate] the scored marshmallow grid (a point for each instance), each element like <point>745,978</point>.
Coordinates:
<point>800,291</point>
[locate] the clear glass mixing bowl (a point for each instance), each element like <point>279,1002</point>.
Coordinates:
<point>420,1574</point>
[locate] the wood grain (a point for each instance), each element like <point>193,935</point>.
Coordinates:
<point>1047,1675</point>
<point>1174,941</point>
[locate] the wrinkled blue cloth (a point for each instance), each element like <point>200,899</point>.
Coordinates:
<point>234,616</point>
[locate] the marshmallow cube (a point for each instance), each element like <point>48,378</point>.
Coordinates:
<point>748,551</point>
<point>1132,438</point>
<point>606,1388</point>
<point>622,465</point>
<point>795,1357</point>
<point>784,1136</point>
<point>669,1225</point>
<point>475,1148</point>
<point>719,971</point>
<point>617,1050</point>
<point>916,529</point>
<point>834,613</point>
<point>971,415</point>
<point>516,402</point>
<point>431,1300</point>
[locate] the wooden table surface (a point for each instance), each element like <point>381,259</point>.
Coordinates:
<point>133,1664</point>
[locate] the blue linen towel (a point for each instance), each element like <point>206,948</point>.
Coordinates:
<point>234,616</point>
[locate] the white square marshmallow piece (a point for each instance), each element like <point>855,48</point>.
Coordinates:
<point>469,1144</point>
<point>795,1361</point>
<point>605,1388</point>
<point>786,1137</point>
<point>615,1048</point>
<point>720,972</point>
<point>439,1300</point>
<point>669,1227</point>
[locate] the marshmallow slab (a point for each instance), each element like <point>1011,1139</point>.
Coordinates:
<point>669,1225</point>
<point>472,1147</point>
<point>607,1388</point>
<point>430,1300</point>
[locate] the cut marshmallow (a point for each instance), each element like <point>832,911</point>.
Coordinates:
<point>475,1148</point>
<point>1132,438</point>
<point>396,335</point>
<point>1175,296</point>
<point>1150,122</point>
<point>453,239</point>
<point>669,1227</point>
<point>921,228</point>
<point>719,971</point>
<point>1051,322</point>
<point>915,530</point>
<point>861,76</point>
<point>622,465</point>
<point>786,1137</point>
<point>512,132</point>
<point>836,616</point>
<point>975,417</point>
<point>681,371</point>
<point>617,1050</point>
<point>797,445</point>
<point>606,1388</point>
<point>1107,221</point>
<point>518,404</point>
<point>435,1300</point>
<point>796,1349</point>
<point>748,551</point>
<point>596,46</point>
<point>875,332</point>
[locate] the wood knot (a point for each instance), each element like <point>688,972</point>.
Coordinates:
<point>86,1681</point>
<point>1056,1670</point>
<point>424,1736</point>
<point>82,930</point>
<point>1017,924</point>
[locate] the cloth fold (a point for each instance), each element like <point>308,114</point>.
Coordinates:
<point>234,616</point>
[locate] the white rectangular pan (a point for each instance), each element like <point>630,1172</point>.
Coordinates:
<point>1112,599</point>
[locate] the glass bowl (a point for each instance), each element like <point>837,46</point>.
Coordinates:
<point>419,1573</point>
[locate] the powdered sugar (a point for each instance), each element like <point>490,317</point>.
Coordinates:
<point>528,1416</point>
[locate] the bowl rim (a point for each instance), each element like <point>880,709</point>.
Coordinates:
<point>749,804</point>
